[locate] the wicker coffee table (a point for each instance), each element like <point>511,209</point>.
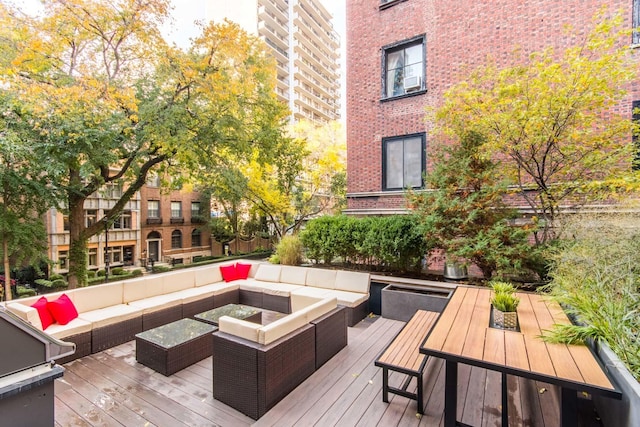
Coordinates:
<point>237,311</point>
<point>172,347</point>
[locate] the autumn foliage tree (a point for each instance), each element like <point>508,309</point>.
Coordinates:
<point>110,101</point>
<point>552,119</point>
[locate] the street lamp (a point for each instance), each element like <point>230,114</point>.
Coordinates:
<point>106,250</point>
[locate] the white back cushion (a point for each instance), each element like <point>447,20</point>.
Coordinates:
<point>268,273</point>
<point>321,278</point>
<point>352,281</point>
<point>208,275</point>
<point>293,275</point>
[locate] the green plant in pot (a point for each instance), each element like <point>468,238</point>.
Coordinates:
<point>504,304</point>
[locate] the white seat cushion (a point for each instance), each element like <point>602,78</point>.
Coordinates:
<point>159,302</point>
<point>280,289</point>
<point>110,315</point>
<point>349,299</point>
<point>76,326</point>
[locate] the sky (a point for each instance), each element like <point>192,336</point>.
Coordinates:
<point>185,12</point>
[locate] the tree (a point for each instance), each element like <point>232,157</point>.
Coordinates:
<point>110,100</point>
<point>464,211</point>
<point>553,116</point>
<point>24,195</point>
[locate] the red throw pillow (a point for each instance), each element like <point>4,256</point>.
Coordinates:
<point>63,309</point>
<point>242,270</point>
<point>228,273</point>
<point>45,315</point>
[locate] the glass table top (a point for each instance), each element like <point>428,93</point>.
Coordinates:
<point>175,333</point>
<point>233,310</point>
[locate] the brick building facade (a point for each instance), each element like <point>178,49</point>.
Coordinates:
<point>403,54</point>
<point>174,225</point>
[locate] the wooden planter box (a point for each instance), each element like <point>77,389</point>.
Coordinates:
<point>400,302</point>
<point>619,413</point>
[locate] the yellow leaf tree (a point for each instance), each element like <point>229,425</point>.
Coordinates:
<point>110,100</point>
<point>551,119</point>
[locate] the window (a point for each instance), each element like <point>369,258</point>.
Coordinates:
<point>90,216</point>
<point>121,222</point>
<point>114,254</point>
<point>195,209</point>
<point>176,209</point>
<point>113,190</point>
<point>403,66</point>
<point>153,180</point>
<point>196,238</point>
<point>63,260</point>
<point>65,222</point>
<point>635,138</point>
<point>93,257</point>
<point>153,209</point>
<point>403,162</point>
<point>636,22</point>
<point>176,239</point>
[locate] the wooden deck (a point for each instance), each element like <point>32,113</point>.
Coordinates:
<point>111,389</point>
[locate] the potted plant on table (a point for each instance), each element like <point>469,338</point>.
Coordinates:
<point>504,304</point>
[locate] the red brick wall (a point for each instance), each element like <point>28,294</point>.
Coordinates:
<point>459,34</point>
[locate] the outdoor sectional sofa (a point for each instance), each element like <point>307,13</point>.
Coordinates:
<point>255,366</point>
<point>111,314</point>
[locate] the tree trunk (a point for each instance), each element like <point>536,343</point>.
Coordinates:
<point>7,269</point>
<point>77,244</point>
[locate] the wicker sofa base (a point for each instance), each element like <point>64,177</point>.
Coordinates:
<point>276,303</point>
<point>357,313</point>
<point>115,334</point>
<point>192,308</point>
<point>331,334</point>
<point>254,299</point>
<point>231,297</point>
<point>83,346</point>
<point>252,378</point>
<point>161,317</point>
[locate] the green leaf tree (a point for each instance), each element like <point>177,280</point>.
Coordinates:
<point>553,116</point>
<point>464,211</point>
<point>110,100</point>
<point>24,194</point>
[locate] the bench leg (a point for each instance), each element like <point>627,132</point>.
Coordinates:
<point>419,397</point>
<point>385,385</point>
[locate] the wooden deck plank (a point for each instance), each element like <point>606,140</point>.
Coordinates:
<point>473,346</point>
<point>144,409</point>
<point>539,359</point>
<point>458,333</point>
<point>441,331</point>
<point>494,350</point>
<point>563,363</point>
<point>345,392</point>
<point>515,350</point>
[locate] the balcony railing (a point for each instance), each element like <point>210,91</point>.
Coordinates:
<point>179,220</point>
<point>154,221</point>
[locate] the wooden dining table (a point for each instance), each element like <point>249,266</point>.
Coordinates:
<point>463,334</point>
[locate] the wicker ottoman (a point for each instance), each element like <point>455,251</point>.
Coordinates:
<point>172,347</point>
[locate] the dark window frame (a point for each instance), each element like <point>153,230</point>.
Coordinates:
<point>403,44</point>
<point>423,160</point>
<point>176,239</point>
<point>194,233</point>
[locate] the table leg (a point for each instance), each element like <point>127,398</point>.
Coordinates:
<point>505,401</point>
<point>450,393</point>
<point>568,408</point>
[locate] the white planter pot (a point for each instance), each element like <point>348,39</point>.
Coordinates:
<point>618,413</point>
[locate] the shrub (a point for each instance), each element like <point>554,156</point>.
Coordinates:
<point>59,284</point>
<point>56,276</point>
<point>91,274</point>
<point>160,269</point>
<point>136,273</point>
<point>101,273</point>
<point>289,250</point>
<point>24,292</point>
<point>595,276</point>
<point>504,298</point>
<point>118,271</point>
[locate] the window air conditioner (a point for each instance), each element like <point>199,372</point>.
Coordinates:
<point>412,83</point>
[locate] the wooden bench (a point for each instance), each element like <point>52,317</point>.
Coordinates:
<point>403,355</point>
